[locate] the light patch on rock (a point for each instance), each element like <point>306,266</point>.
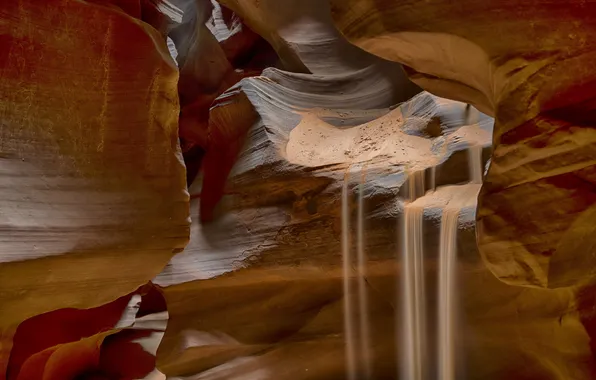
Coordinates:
<point>315,143</point>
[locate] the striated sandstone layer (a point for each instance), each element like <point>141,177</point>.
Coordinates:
<point>93,201</point>
<point>528,64</point>
<point>117,340</point>
<point>316,61</point>
<point>214,50</point>
<point>258,292</point>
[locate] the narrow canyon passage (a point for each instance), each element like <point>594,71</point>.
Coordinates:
<point>297,189</point>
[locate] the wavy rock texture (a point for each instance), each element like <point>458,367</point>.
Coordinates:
<point>214,50</point>
<point>114,341</point>
<point>302,34</point>
<point>92,191</point>
<point>529,65</point>
<point>94,201</point>
<point>258,292</point>
<point>201,79</point>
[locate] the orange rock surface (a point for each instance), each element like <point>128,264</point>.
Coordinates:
<point>529,65</point>
<point>92,183</point>
<point>274,105</point>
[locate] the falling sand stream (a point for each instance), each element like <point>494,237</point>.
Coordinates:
<point>447,293</point>
<point>362,295</point>
<point>412,330</point>
<point>414,359</point>
<point>412,333</point>
<point>349,328</point>
<point>413,338</point>
<point>447,288</point>
<point>355,333</point>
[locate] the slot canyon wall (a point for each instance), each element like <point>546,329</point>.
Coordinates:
<point>171,177</point>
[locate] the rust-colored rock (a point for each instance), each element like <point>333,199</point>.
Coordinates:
<point>62,326</point>
<point>94,204</point>
<point>529,65</point>
<point>214,51</point>
<point>92,187</point>
<point>259,290</point>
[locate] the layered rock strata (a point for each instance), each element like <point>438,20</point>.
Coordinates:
<point>93,201</point>
<point>258,292</point>
<point>528,64</point>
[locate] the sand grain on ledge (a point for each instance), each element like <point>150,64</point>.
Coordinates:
<point>315,143</point>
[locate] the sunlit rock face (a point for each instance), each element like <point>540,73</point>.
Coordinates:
<point>317,61</point>
<point>92,190</point>
<point>528,64</point>
<point>258,292</point>
<point>275,109</point>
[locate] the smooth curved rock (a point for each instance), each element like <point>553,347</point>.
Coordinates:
<point>259,290</point>
<point>134,331</point>
<point>102,205</point>
<point>205,72</point>
<point>318,62</point>
<point>529,65</point>
<point>92,192</point>
<point>214,50</point>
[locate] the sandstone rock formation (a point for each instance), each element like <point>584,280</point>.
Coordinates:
<point>98,343</point>
<point>282,215</point>
<point>258,292</point>
<point>526,63</point>
<point>93,198</point>
<point>302,34</point>
<point>214,50</point>
<point>275,111</point>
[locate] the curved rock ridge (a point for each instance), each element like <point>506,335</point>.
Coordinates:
<point>258,291</point>
<point>263,156</point>
<point>308,43</point>
<point>88,189</point>
<point>201,79</point>
<point>117,340</point>
<point>280,97</point>
<point>303,35</point>
<point>214,50</point>
<point>277,226</point>
<point>529,65</point>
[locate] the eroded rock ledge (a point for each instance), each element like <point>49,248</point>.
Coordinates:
<point>97,203</point>
<point>93,201</point>
<point>528,64</point>
<point>259,289</point>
